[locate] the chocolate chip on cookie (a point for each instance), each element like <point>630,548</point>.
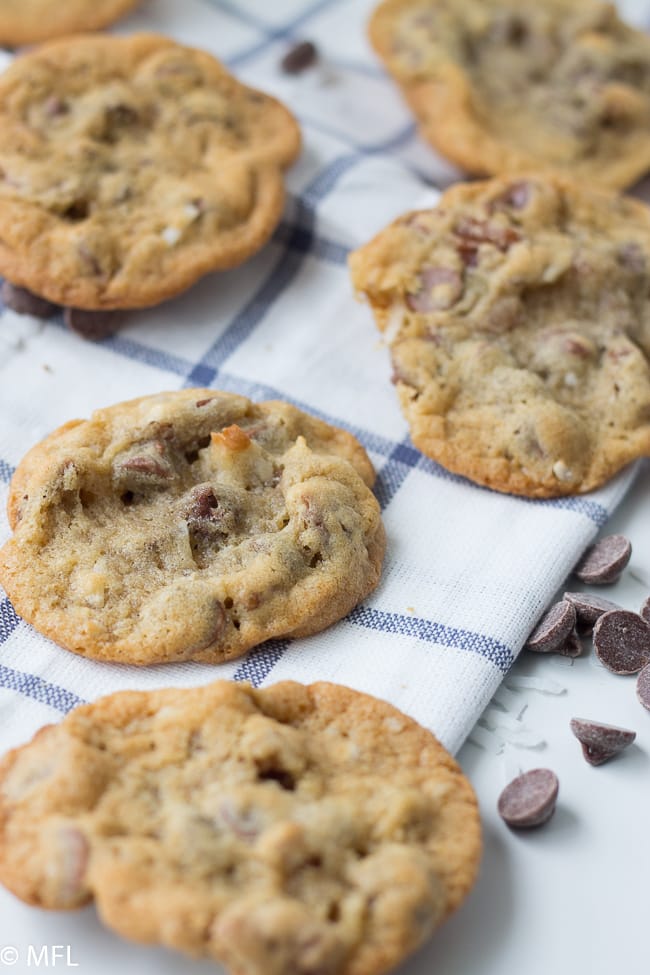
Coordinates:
<point>148,166</point>
<point>518,331</point>
<point>191,525</point>
<point>294,829</point>
<point>499,87</point>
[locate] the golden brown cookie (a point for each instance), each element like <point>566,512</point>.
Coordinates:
<point>518,317</point>
<point>508,85</point>
<point>289,831</point>
<point>32,21</point>
<point>132,166</point>
<point>190,525</point>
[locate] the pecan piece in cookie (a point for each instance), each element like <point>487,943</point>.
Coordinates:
<point>162,530</point>
<point>533,376</point>
<point>286,831</point>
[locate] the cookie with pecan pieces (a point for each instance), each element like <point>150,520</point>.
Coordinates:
<point>508,85</point>
<point>32,21</point>
<point>132,166</point>
<point>310,830</point>
<point>518,318</point>
<point>190,525</point>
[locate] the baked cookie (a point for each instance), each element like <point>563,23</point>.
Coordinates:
<point>32,21</point>
<point>506,85</point>
<point>190,525</point>
<point>518,318</point>
<point>132,166</point>
<point>288,831</point>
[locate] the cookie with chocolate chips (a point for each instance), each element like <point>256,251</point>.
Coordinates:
<point>33,21</point>
<point>190,525</point>
<point>503,85</point>
<point>132,166</point>
<point>310,830</point>
<point>518,318</point>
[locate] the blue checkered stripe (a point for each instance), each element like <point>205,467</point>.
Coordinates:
<point>295,240</point>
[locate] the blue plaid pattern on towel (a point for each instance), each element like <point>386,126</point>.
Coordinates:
<point>468,571</point>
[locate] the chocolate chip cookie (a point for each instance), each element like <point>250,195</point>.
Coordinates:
<point>32,21</point>
<point>132,166</point>
<point>504,85</point>
<point>518,318</point>
<point>190,525</point>
<point>310,830</point>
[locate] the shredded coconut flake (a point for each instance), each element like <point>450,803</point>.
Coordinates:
<point>171,235</point>
<point>542,684</point>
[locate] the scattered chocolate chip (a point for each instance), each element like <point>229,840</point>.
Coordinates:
<point>25,302</point>
<point>438,288</point>
<point>604,561</point>
<point>599,741</point>
<point>529,800</point>
<point>121,115</point>
<point>643,687</point>
<point>515,197</point>
<point>299,58</point>
<point>645,610</point>
<point>622,641</point>
<point>572,646</point>
<point>553,630</point>
<point>92,324</point>
<point>588,609</point>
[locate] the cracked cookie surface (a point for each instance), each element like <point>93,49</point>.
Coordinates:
<point>32,21</point>
<point>500,86</point>
<point>190,525</point>
<point>286,831</point>
<point>132,166</point>
<point>518,318</point>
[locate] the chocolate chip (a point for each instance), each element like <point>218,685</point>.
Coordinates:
<point>572,646</point>
<point>553,630</point>
<point>482,232</point>
<point>515,197</point>
<point>632,258</point>
<point>645,610</point>
<point>438,288</point>
<point>25,302</point>
<point>604,561</point>
<point>588,609</point>
<point>622,641</point>
<point>643,687</point>
<point>600,742</point>
<point>92,324</point>
<point>299,58</point>
<point>529,800</point>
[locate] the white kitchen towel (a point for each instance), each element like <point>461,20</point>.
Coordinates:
<point>468,571</point>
